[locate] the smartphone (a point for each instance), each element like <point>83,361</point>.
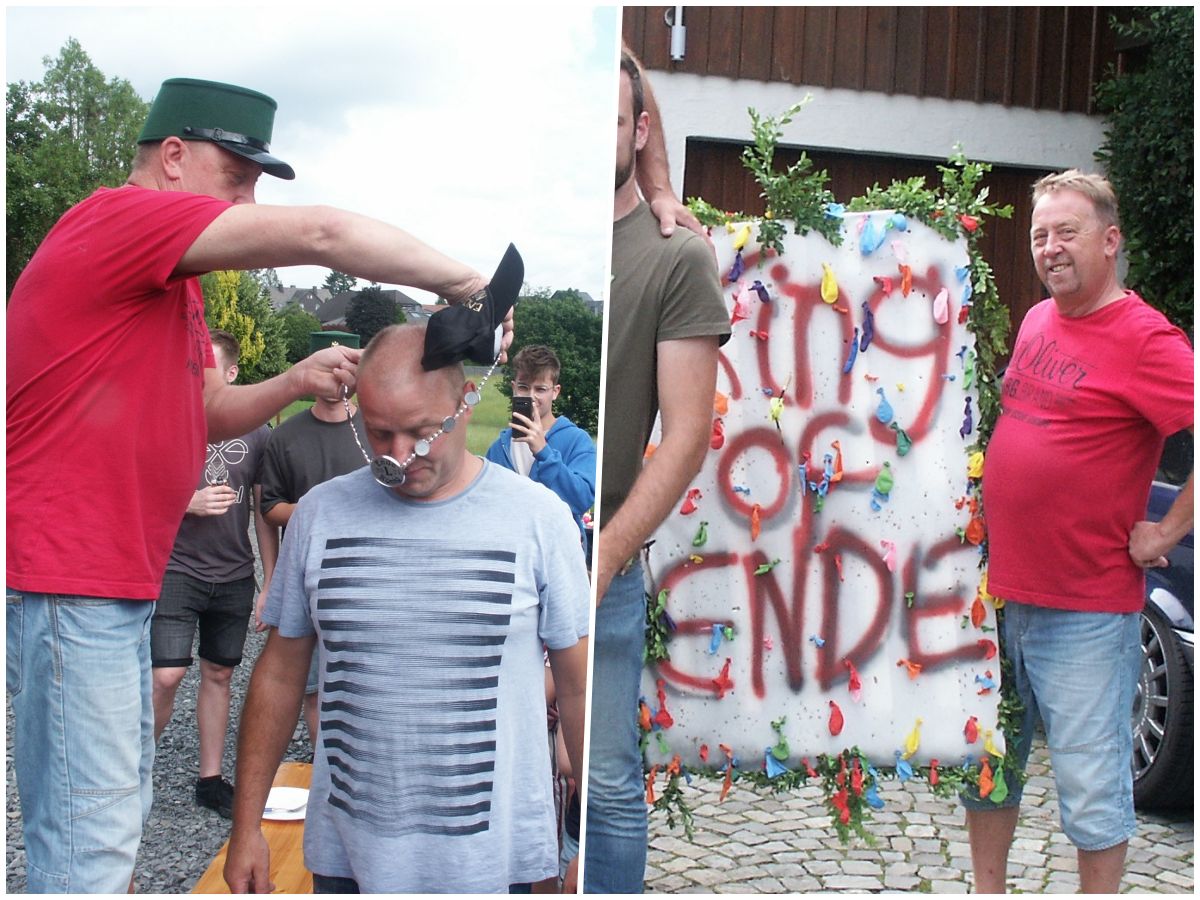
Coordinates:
<point>524,406</point>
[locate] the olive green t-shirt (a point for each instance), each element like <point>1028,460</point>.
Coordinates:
<point>663,289</point>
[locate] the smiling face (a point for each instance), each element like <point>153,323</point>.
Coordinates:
<point>1074,251</point>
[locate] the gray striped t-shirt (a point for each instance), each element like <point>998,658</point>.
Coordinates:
<point>432,772</point>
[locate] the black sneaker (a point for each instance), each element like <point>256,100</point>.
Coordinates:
<point>217,794</point>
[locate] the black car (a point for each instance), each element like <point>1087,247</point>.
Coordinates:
<point>1162,710</point>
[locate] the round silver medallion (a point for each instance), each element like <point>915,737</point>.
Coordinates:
<point>472,398</point>
<point>387,471</point>
<point>421,448</point>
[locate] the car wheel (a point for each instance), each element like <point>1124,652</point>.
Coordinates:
<point>1162,719</point>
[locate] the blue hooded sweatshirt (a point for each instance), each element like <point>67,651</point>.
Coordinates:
<point>566,465</point>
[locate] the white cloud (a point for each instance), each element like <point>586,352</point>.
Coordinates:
<point>470,126</point>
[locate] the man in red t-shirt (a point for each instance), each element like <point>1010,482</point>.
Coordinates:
<point>1097,380</point>
<point>109,363</point>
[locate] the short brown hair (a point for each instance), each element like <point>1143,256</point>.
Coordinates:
<point>537,358</point>
<point>630,67</point>
<point>1096,188</point>
<point>227,343</point>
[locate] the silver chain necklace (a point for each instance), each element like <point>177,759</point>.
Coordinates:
<point>386,470</point>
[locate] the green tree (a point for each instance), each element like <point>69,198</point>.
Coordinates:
<point>1148,152</point>
<point>568,327</point>
<point>65,136</point>
<point>370,312</point>
<point>296,325</point>
<point>234,302</point>
<point>337,282</point>
<point>267,278</point>
<point>255,301</point>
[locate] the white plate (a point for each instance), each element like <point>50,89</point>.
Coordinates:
<point>282,804</point>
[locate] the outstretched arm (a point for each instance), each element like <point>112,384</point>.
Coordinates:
<point>234,409</point>
<point>249,236</point>
<point>687,379</point>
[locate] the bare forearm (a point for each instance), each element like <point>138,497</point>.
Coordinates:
<point>232,411</point>
<point>569,668</point>
<point>279,514</point>
<point>268,540</point>
<point>236,410</point>
<point>1150,542</point>
<point>686,378</point>
<point>654,494</point>
<point>268,720</point>
<point>653,166</point>
<point>1181,516</point>
<point>254,237</point>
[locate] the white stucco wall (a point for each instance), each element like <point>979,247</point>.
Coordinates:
<point>861,121</point>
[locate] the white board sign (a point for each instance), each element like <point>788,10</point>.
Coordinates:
<point>850,598</point>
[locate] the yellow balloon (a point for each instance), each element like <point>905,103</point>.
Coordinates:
<point>829,285</point>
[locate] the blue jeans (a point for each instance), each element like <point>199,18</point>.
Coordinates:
<point>1077,672</point>
<point>83,746</point>
<point>615,839</point>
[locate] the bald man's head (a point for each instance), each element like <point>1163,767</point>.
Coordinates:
<point>403,404</point>
<point>394,356</point>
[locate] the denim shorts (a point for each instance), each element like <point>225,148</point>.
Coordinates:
<point>1077,673</point>
<point>78,674</point>
<point>220,610</point>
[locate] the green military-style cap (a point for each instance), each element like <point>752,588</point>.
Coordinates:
<point>319,340</point>
<point>235,118</point>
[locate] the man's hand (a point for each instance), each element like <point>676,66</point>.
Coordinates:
<point>260,603</point>
<point>533,435</point>
<point>213,500</point>
<point>506,336</point>
<point>1148,545</point>
<point>248,863</point>
<point>670,212</point>
<point>326,372</point>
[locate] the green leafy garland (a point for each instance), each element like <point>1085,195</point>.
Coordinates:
<point>954,209</point>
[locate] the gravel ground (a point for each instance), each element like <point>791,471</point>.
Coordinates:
<point>181,838</point>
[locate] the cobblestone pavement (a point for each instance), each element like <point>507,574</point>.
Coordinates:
<point>758,842</point>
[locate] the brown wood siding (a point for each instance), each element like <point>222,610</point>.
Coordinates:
<point>713,170</point>
<point>1039,57</point>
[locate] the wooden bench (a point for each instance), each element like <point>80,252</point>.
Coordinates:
<point>286,840</point>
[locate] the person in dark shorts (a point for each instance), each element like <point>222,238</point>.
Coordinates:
<point>209,584</point>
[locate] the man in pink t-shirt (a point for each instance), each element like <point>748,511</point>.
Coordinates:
<point>112,393</point>
<point>1097,380</point>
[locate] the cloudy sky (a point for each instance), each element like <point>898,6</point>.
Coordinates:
<point>470,126</point>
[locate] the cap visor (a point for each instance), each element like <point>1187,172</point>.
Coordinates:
<point>271,165</point>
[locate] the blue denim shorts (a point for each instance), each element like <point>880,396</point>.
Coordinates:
<point>1077,673</point>
<point>78,673</point>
